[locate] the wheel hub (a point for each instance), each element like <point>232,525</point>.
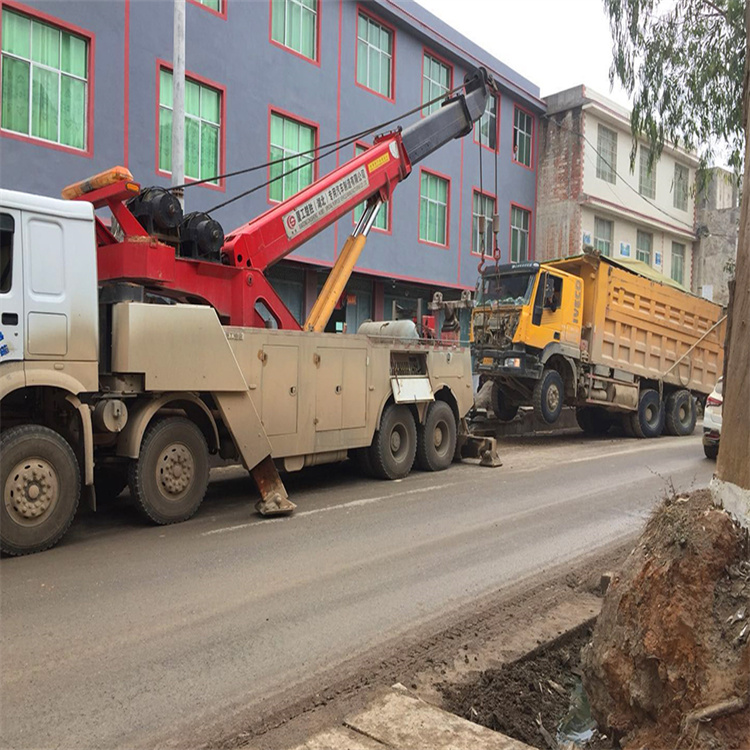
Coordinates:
<point>438,436</point>
<point>32,490</point>
<point>553,398</point>
<point>175,470</point>
<point>395,441</point>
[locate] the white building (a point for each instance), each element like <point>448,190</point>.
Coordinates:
<point>589,195</point>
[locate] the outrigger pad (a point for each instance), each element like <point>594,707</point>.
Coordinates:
<point>274,500</point>
<point>275,505</point>
<point>483,448</point>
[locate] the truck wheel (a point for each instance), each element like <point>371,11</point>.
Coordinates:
<point>170,476</point>
<point>41,484</point>
<point>593,421</point>
<point>711,451</point>
<point>648,421</point>
<point>548,396</point>
<point>394,444</point>
<point>627,426</point>
<point>110,481</point>
<point>436,438</point>
<point>361,459</point>
<point>680,413</point>
<point>502,406</point>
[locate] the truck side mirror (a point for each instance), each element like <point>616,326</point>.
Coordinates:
<point>536,313</point>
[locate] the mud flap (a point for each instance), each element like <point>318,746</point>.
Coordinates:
<point>242,420</point>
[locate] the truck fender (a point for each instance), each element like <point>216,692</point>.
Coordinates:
<point>129,440</point>
<point>564,353</point>
<point>87,432</point>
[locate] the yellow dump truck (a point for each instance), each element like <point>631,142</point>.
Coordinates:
<point>613,338</point>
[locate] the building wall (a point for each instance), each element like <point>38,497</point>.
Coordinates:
<point>233,51</point>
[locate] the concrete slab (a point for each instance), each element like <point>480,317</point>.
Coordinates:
<point>340,738</point>
<point>400,721</point>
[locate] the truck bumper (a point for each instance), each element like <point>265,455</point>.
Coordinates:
<point>513,363</point>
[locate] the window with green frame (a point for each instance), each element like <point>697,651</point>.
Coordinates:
<point>678,262</point>
<point>523,129</point>
<point>433,209</point>
<point>45,81</point>
<point>374,55</point>
<point>646,175</point>
<point>294,24</point>
<point>520,220</point>
<point>381,221</point>
<point>436,81</point>
<point>603,232</point>
<point>485,130</point>
<point>643,246</point>
<point>293,141</point>
<point>202,128</point>
<point>212,4</point>
<point>483,205</point>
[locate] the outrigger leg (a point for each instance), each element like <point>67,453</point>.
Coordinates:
<point>274,500</point>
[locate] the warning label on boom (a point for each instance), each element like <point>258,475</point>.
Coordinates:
<point>323,203</point>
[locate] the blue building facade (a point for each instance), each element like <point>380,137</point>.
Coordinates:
<point>269,77</point>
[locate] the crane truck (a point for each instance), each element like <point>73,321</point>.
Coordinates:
<point>610,337</point>
<point>132,352</point>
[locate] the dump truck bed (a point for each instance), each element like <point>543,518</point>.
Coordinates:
<point>644,326</point>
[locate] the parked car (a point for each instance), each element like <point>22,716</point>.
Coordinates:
<point>712,421</point>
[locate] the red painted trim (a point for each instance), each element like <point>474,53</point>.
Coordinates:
<point>533,137</point>
<point>90,88</point>
<point>429,51</point>
<point>220,13</point>
<point>447,244</point>
<point>316,59</point>
<point>367,12</point>
<point>464,53</point>
<point>126,87</point>
<point>389,204</point>
<point>460,209</point>
<point>310,123</point>
<point>497,128</point>
<point>221,187</point>
<point>486,194</point>
<point>338,120</point>
<point>510,228</point>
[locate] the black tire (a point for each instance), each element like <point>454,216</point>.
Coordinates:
<point>41,484</point>
<point>593,420</point>
<point>548,396</point>
<point>680,413</point>
<point>711,451</point>
<point>109,481</point>
<point>627,425</point>
<point>168,480</point>
<point>436,438</point>
<point>648,421</point>
<point>361,459</point>
<point>502,406</point>
<point>394,444</point>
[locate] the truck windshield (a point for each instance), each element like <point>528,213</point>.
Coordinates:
<point>507,289</point>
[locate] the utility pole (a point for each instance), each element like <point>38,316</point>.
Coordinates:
<point>178,98</point>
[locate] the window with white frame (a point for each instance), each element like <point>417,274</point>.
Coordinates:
<point>294,24</point>
<point>523,133</point>
<point>433,209</point>
<point>643,246</point>
<point>45,76</point>
<point>485,130</point>
<point>647,176</point>
<point>606,156</point>
<point>381,221</point>
<point>295,142</point>
<point>374,55</point>
<point>202,128</point>
<point>436,82</point>
<point>483,205</point>
<point>678,262</point>
<point>603,231</point>
<point>520,221</point>
<point>680,187</point>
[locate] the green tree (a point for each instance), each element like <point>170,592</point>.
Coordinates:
<point>685,64</point>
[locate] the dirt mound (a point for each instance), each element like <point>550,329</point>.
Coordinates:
<point>672,637</point>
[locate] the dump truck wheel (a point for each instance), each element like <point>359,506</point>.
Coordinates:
<point>548,396</point>
<point>627,426</point>
<point>41,484</point>
<point>711,451</point>
<point>680,413</point>
<point>394,445</point>
<point>170,476</point>
<point>110,481</point>
<point>361,459</point>
<point>436,438</point>
<point>593,421</point>
<point>502,406</point>
<point>648,421</point>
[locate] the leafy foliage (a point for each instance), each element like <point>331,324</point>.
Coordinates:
<point>683,62</point>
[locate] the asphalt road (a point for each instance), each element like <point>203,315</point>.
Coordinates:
<point>125,632</point>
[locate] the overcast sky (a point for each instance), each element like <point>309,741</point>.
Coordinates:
<point>556,44</point>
